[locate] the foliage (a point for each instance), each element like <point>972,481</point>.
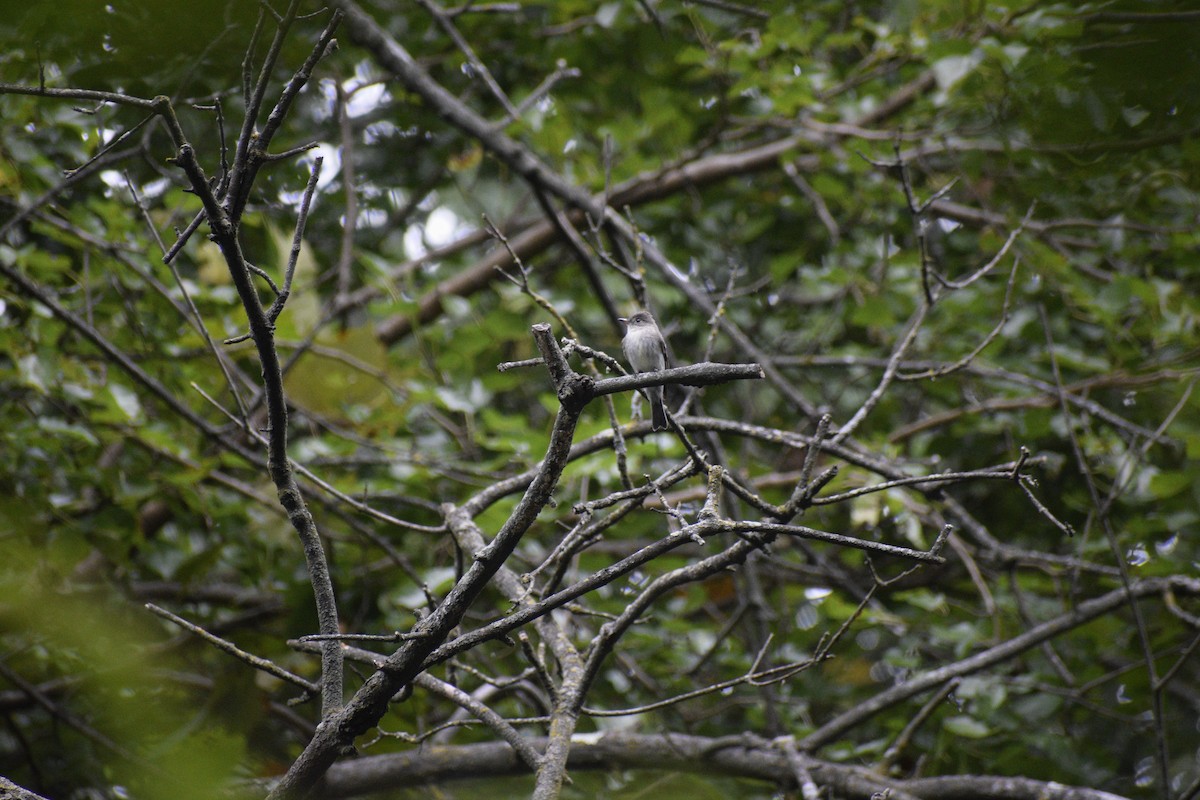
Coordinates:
<point>965,232</point>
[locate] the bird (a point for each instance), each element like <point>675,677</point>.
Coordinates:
<point>646,351</point>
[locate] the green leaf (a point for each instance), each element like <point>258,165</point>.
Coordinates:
<point>1169,484</point>
<point>966,727</point>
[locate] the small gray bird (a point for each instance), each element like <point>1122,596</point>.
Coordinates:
<point>646,351</point>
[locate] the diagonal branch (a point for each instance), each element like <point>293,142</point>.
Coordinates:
<point>400,669</point>
<point>919,684</point>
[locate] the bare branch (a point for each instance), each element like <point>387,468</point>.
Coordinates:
<point>923,682</point>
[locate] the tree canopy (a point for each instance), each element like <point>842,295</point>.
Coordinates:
<point>323,468</point>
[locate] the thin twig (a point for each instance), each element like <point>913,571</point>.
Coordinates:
<point>889,372</point>
<point>258,663</point>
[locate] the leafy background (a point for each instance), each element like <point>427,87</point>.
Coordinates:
<point>1080,117</point>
